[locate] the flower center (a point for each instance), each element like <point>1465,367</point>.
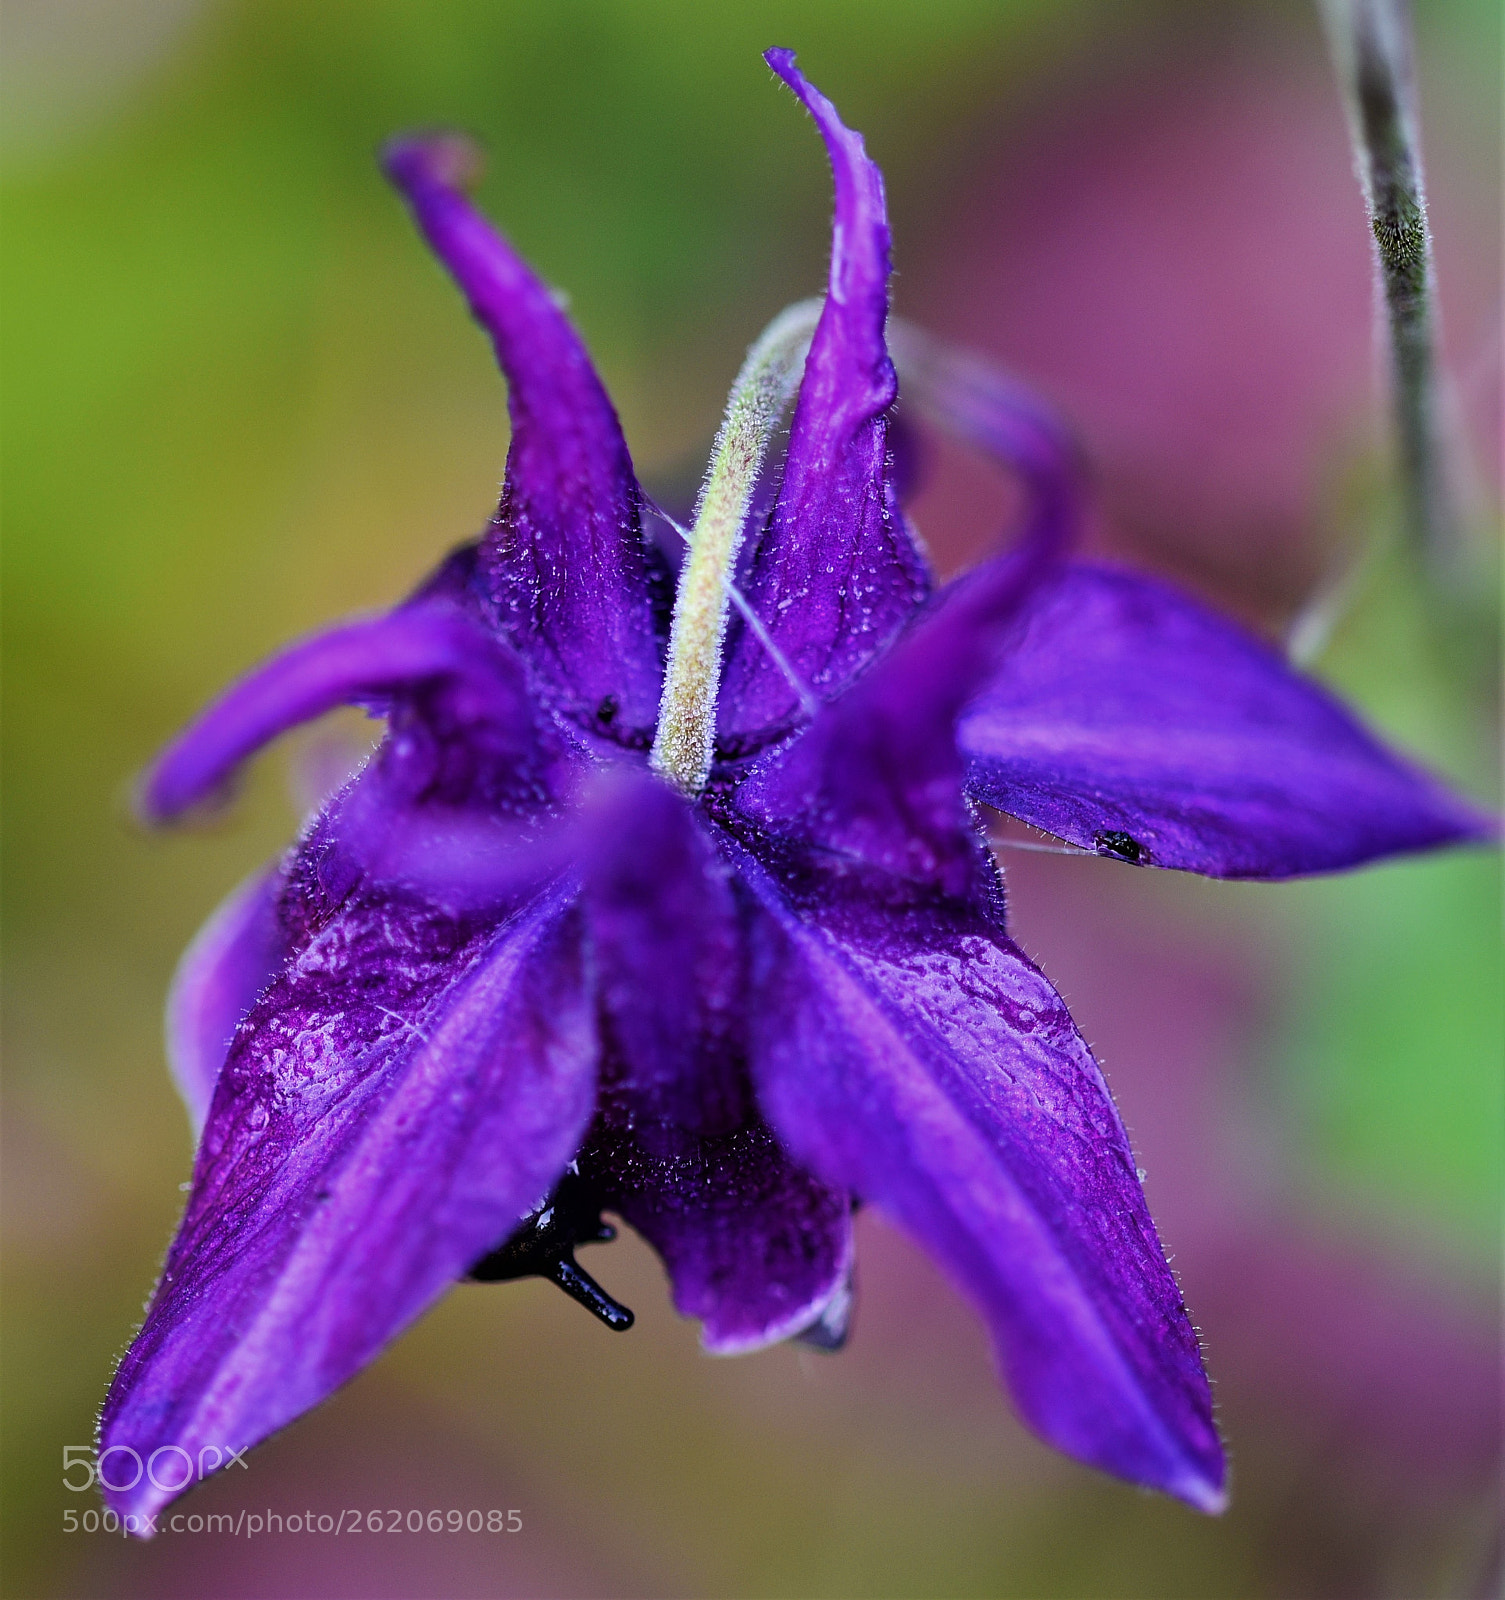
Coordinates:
<point>766,385</point>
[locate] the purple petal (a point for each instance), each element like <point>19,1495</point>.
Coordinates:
<point>1128,719</point>
<point>877,775</point>
<point>453,677</point>
<point>564,556</point>
<point>998,415</point>
<point>380,1125</point>
<point>911,1053</point>
<point>231,960</point>
<point>836,571</point>
<point>756,1248</point>
<point>460,860</point>
<point>668,950</point>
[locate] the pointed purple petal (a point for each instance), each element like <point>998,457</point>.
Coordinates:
<point>668,949</point>
<point>756,1248</point>
<point>454,677</point>
<point>231,960</point>
<point>1127,718</point>
<point>911,1053</point>
<point>836,571</point>
<point>877,775</point>
<point>564,556</point>
<point>1001,417</point>
<point>378,1127</point>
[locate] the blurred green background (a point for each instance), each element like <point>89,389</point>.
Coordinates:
<point>239,400</point>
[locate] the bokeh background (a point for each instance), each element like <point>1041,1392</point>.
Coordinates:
<point>239,400</point>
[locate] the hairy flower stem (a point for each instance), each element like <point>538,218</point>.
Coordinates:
<point>1370,42</point>
<point>766,385</point>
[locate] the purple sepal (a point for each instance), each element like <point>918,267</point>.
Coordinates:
<point>231,960</point>
<point>427,658</point>
<point>836,570</point>
<point>564,556</point>
<point>403,1093</point>
<point>903,1048</point>
<point>457,859</point>
<point>668,952</point>
<point>1127,718</point>
<point>877,775</point>
<point>1001,417</point>
<point>755,1248</point>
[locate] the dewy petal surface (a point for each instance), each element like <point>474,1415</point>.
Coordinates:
<point>231,960</point>
<point>564,557</point>
<point>836,570</point>
<point>755,1247</point>
<point>400,1096</point>
<point>1127,718</point>
<point>904,1048</point>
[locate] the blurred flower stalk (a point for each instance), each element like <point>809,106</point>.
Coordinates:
<point>1372,52</point>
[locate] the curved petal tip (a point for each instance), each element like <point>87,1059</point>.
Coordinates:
<point>826,1312</point>
<point>444,160</point>
<point>1207,1494</point>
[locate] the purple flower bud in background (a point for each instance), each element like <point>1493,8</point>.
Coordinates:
<point>689,915</point>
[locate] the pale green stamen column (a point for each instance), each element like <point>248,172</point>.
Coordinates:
<point>682,747</point>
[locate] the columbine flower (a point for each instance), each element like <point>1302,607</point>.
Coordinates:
<point>703,929</point>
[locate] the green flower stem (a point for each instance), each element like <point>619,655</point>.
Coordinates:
<point>1370,41</point>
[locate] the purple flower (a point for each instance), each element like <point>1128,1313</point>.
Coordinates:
<point>689,914</point>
